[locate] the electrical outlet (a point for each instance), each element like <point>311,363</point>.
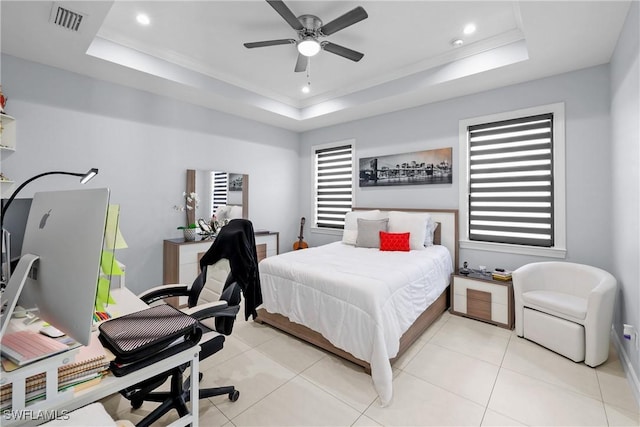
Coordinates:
<point>630,333</point>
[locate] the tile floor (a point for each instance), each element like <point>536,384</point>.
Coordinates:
<point>460,372</point>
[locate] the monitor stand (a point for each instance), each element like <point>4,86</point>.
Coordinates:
<point>12,292</point>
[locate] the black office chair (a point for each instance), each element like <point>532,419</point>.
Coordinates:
<point>232,251</point>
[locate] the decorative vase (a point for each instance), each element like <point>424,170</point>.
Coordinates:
<point>190,234</point>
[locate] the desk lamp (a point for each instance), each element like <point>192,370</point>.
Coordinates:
<point>6,256</point>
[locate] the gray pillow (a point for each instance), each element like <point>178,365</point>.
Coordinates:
<point>369,232</point>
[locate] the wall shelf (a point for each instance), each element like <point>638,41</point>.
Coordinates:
<point>8,146</point>
<point>7,133</point>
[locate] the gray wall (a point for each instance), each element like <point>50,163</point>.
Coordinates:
<point>625,188</point>
<point>142,144</point>
<point>588,152</point>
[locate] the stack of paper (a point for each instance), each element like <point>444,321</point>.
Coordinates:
<point>24,347</point>
<point>89,366</point>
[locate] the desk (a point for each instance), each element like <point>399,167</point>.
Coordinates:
<point>68,400</point>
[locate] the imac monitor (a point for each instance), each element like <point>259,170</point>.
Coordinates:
<point>65,229</point>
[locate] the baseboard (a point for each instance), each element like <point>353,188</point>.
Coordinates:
<point>632,376</point>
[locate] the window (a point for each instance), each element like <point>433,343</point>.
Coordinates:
<point>333,189</point>
<point>220,184</point>
<point>514,182</point>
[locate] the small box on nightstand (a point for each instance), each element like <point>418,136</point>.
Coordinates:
<point>479,296</point>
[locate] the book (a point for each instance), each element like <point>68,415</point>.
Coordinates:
<point>501,275</point>
<point>25,347</point>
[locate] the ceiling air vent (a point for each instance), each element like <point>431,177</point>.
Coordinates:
<point>65,18</point>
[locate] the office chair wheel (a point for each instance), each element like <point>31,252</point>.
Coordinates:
<point>136,403</point>
<point>234,395</point>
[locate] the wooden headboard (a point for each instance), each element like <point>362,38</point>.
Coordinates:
<point>446,233</point>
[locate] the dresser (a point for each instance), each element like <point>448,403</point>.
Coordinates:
<point>181,258</point>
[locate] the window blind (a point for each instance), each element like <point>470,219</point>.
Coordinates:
<point>333,186</point>
<point>511,181</point>
<point>220,186</point>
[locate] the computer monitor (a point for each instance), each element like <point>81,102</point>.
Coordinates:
<point>65,229</point>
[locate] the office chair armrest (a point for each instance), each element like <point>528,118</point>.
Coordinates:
<point>211,306</point>
<point>164,291</point>
<point>213,309</point>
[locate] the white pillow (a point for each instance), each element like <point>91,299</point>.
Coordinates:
<point>350,233</point>
<point>430,230</point>
<point>414,223</point>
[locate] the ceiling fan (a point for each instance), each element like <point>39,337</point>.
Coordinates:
<point>310,28</point>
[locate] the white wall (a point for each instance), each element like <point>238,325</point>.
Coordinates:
<point>586,97</point>
<point>142,144</point>
<point>625,189</point>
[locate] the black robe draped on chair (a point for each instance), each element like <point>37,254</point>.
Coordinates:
<point>236,242</point>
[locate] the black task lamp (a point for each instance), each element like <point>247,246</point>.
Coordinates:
<point>6,260</point>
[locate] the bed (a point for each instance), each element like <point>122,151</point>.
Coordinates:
<point>365,305</point>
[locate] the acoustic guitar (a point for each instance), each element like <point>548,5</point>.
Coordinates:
<point>300,244</point>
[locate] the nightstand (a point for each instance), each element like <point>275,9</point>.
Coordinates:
<point>480,297</point>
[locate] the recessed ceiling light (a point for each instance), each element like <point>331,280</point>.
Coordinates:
<point>469,29</point>
<point>457,42</point>
<point>143,19</point>
<point>306,89</point>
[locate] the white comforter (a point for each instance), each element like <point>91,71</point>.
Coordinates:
<point>362,300</point>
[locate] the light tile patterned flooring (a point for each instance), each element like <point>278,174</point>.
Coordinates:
<point>460,372</point>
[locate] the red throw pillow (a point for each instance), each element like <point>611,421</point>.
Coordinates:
<point>394,241</point>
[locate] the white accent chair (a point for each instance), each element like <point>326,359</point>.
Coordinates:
<point>565,307</point>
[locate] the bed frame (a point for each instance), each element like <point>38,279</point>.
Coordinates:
<point>446,234</point>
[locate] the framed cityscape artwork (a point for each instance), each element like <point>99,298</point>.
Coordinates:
<point>419,167</point>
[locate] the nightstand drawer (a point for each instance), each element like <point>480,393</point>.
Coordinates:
<point>483,299</point>
<point>494,312</point>
<point>499,294</point>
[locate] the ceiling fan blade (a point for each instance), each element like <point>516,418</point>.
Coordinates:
<point>342,51</point>
<point>349,18</point>
<point>286,13</point>
<point>302,63</point>
<point>269,43</point>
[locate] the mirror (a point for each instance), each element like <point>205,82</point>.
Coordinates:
<point>216,189</point>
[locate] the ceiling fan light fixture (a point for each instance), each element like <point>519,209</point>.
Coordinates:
<point>308,46</point>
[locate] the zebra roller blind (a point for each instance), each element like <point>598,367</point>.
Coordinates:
<point>511,181</point>
<point>334,180</point>
<point>220,184</point>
